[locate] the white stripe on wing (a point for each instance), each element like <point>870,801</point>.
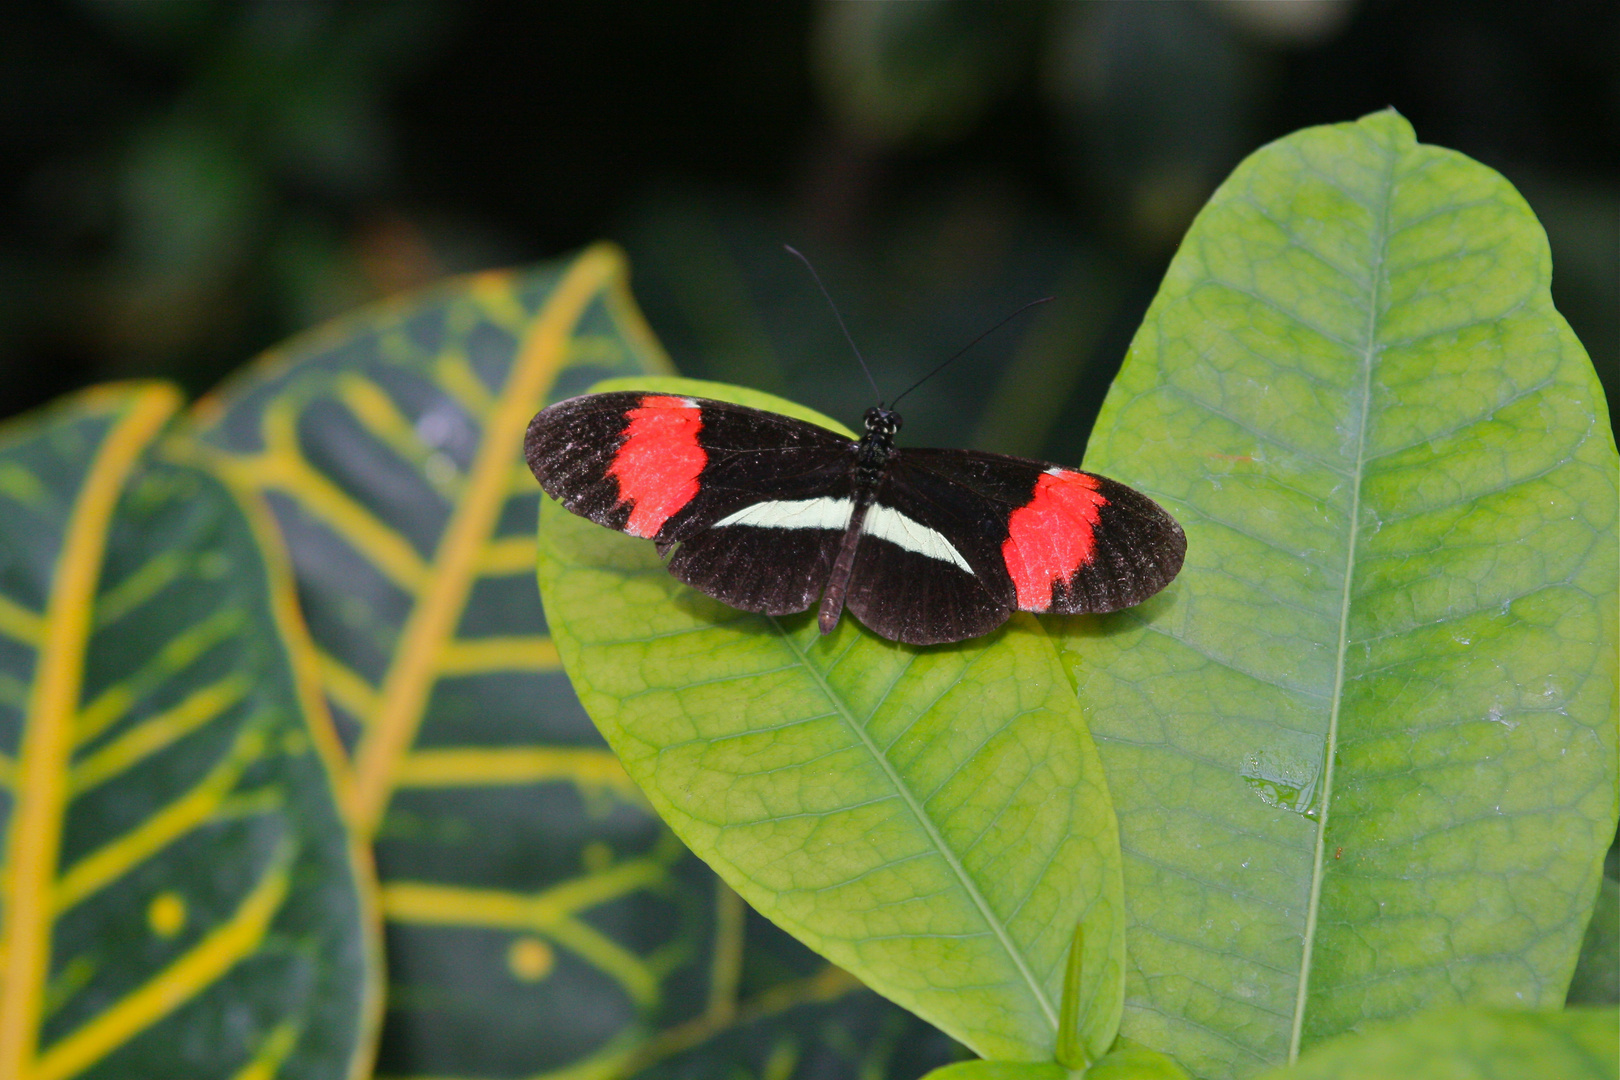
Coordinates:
<point>889,524</point>
<point>823,513</point>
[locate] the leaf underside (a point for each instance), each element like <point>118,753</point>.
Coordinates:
<point>1363,750</point>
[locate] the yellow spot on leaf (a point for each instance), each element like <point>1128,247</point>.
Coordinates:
<point>530,959</point>
<point>167,914</point>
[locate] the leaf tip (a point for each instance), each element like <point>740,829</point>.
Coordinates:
<point>1389,126</point>
<point>607,258</point>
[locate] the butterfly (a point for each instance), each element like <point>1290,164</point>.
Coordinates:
<point>772,514</point>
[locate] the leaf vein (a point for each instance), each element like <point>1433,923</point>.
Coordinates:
<point>996,927</point>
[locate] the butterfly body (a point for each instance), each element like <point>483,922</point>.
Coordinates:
<point>771,514</point>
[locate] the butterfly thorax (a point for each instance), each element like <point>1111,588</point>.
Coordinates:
<point>875,447</point>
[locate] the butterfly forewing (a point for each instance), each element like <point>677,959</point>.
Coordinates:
<point>1137,549</point>
<point>665,467</point>
<point>750,500</point>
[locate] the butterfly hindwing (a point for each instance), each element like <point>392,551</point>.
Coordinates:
<point>754,568</point>
<point>929,568</point>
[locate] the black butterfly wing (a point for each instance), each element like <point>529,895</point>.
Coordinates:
<point>1020,534</point>
<point>928,569</point>
<point>749,500</point>
<point>1137,549</point>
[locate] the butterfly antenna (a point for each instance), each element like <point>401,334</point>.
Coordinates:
<point>969,345</point>
<point>797,254</point>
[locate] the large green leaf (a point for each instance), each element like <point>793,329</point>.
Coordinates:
<point>1363,751</point>
<point>180,895</point>
<point>1472,1044</point>
<point>933,820</point>
<point>539,917</point>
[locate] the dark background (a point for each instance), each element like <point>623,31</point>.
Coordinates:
<point>183,184</point>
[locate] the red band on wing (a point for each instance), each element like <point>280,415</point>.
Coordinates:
<point>658,465</point>
<point>1049,537</point>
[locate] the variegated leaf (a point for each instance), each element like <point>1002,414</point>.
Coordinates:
<point>180,896</point>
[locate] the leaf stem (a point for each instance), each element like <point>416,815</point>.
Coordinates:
<point>1071,1053</point>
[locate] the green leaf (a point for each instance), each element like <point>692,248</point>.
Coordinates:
<point>933,820</point>
<point>1001,1070</point>
<point>1122,1063</point>
<point>1363,750</point>
<point>180,894</point>
<point>523,875</point>
<point>1597,974</point>
<point>1130,1062</point>
<point>1471,1044</point>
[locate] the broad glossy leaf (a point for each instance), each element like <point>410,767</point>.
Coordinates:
<point>180,895</point>
<point>1471,1044</point>
<point>539,917</point>
<point>1364,748</point>
<point>933,820</point>
<point>520,875</point>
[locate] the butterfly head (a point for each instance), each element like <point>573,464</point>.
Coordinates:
<point>882,422</point>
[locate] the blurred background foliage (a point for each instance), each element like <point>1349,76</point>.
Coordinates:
<point>189,181</point>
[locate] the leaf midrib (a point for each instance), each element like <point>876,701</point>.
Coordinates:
<point>1370,352</point>
<point>929,828</point>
